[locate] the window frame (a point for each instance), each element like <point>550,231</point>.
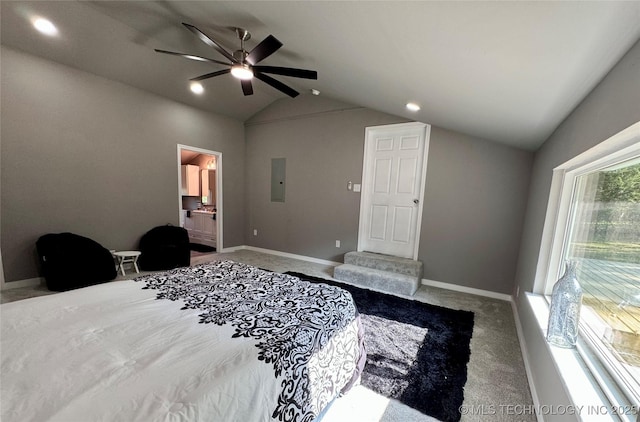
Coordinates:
<point>620,147</point>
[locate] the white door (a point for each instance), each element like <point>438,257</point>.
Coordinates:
<point>394,172</point>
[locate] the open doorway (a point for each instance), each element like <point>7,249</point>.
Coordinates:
<point>200,197</point>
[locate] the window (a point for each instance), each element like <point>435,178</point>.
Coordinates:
<point>595,221</point>
<point>603,237</point>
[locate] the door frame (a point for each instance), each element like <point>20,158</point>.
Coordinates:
<point>219,205</point>
<point>365,197</point>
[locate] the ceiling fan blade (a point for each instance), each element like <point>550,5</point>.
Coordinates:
<point>276,84</point>
<point>267,47</point>
<point>210,75</point>
<point>211,43</point>
<point>192,57</point>
<point>288,71</point>
<point>247,88</point>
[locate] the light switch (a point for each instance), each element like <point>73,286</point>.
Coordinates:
<point>356,187</point>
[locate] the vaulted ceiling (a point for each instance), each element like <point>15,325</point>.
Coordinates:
<point>503,71</point>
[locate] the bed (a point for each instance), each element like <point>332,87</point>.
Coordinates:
<point>221,341</point>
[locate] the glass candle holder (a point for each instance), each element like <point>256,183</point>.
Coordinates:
<point>564,314</point>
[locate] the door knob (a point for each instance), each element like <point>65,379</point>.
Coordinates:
<point>416,201</point>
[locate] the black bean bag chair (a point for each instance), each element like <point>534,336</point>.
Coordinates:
<point>69,261</point>
<point>164,248</point>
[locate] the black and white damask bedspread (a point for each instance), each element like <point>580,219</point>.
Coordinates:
<point>216,342</point>
<point>307,332</point>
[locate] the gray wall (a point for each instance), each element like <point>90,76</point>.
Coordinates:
<point>323,143</point>
<point>474,206</point>
<point>611,107</point>
<point>85,154</point>
<point>474,202</point>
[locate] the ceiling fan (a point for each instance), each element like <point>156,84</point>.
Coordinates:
<point>244,65</point>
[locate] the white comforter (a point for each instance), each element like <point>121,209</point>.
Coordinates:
<point>115,352</point>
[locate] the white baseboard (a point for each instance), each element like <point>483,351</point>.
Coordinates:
<point>439,284</point>
<point>525,358</point>
<point>464,289</point>
<point>27,282</point>
<point>284,254</point>
<point>232,249</point>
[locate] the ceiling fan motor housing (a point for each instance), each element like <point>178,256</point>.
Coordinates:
<point>240,56</point>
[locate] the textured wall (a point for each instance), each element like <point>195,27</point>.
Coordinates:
<point>474,199</point>
<point>84,154</point>
<point>611,107</point>
<point>323,151</point>
<point>474,207</point>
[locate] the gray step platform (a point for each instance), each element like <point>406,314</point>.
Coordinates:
<point>377,279</point>
<point>382,262</point>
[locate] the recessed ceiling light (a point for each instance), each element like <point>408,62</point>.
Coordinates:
<point>45,26</point>
<point>196,88</point>
<point>413,107</point>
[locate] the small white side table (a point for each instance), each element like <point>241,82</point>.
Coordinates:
<point>127,257</point>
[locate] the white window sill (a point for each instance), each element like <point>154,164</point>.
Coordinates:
<point>589,402</point>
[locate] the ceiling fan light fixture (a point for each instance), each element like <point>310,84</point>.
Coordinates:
<point>242,71</point>
<point>242,63</point>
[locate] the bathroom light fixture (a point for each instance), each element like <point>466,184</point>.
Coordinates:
<point>45,26</point>
<point>413,107</point>
<point>196,88</point>
<point>242,71</point>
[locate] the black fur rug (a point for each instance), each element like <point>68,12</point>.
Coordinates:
<point>416,353</point>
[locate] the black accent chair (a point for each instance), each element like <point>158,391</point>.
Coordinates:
<point>164,248</point>
<point>70,261</point>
